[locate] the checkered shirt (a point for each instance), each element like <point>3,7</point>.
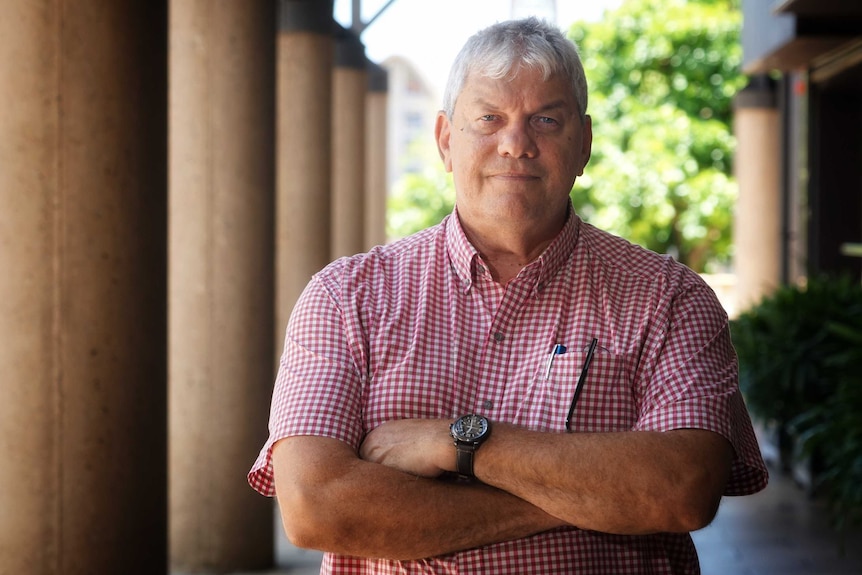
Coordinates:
<point>418,329</point>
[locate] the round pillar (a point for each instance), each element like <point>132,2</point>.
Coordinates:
<point>376,192</point>
<point>83,484</point>
<point>757,233</point>
<point>349,87</point>
<point>222,180</point>
<point>303,150</point>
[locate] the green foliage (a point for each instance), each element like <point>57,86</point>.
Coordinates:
<point>419,201</point>
<point>800,366</point>
<point>662,76</point>
<point>788,345</point>
<point>832,430</point>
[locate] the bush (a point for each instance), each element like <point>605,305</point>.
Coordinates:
<point>833,429</point>
<point>800,369</point>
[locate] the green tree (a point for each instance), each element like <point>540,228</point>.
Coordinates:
<point>662,76</point>
<point>420,199</point>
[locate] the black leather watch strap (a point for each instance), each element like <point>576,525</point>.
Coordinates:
<point>464,459</point>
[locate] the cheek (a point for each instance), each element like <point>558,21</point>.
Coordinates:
<point>570,168</point>
<point>465,157</point>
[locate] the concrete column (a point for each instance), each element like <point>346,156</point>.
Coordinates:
<point>83,482</point>
<point>222,181</point>
<point>303,144</point>
<point>349,87</point>
<point>376,192</point>
<point>757,234</point>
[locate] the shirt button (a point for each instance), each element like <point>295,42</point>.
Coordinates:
<point>498,337</point>
<point>487,404</point>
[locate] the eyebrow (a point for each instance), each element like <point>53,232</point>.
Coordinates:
<point>554,105</point>
<point>557,104</point>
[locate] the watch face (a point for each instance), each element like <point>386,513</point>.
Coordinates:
<point>470,427</point>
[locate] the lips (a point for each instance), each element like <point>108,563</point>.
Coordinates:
<point>516,176</point>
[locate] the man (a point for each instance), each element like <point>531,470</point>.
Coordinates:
<point>513,390</point>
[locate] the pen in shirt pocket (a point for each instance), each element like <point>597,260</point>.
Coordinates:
<point>558,349</point>
<point>582,378</point>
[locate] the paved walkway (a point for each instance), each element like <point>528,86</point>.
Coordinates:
<point>776,532</point>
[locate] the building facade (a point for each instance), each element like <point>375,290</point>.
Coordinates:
<point>805,61</point>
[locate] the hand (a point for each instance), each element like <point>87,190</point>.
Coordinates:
<point>422,447</point>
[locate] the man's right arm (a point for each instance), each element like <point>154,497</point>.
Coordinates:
<point>332,500</point>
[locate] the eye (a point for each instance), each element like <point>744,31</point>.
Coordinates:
<point>546,121</point>
<point>487,118</point>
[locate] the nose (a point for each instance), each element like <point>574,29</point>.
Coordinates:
<point>515,140</point>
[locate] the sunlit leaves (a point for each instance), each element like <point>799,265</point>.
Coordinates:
<point>662,76</point>
<point>419,201</point>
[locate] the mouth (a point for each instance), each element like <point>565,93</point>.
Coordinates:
<point>515,176</point>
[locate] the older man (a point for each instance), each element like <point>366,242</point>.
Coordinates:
<point>513,390</point>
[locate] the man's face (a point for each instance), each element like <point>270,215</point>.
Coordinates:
<point>514,149</point>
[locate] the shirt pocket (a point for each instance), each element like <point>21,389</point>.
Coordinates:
<point>605,403</point>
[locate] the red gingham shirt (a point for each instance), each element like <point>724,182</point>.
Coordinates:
<point>418,329</point>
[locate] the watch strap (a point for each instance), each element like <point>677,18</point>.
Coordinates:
<point>464,458</point>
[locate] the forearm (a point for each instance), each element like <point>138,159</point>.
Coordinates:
<point>341,504</point>
<point>626,483</point>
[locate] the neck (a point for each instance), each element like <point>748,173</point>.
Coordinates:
<point>507,254</point>
<point>508,246</point>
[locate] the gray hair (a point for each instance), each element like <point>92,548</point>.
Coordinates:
<point>499,50</point>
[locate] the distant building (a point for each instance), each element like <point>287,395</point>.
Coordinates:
<point>413,107</point>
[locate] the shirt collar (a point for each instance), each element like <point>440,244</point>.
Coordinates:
<point>465,259</point>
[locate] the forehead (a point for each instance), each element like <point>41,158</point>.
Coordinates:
<point>527,88</point>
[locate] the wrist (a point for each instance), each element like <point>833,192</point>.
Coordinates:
<point>468,433</point>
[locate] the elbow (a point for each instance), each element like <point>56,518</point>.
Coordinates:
<point>694,503</point>
<point>308,498</point>
<point>313,519</point>
<point>697,492</point>
<point>300,526</point>
<point>674,514</point>
<point>301,537</point>
<point>313,525</point>
<point>694,513</point>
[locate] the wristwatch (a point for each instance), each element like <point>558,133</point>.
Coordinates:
<point>469,432</point>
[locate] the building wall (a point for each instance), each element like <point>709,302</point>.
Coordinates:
<point>413,107</point>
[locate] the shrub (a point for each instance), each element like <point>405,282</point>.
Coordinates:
<point>800,368</point>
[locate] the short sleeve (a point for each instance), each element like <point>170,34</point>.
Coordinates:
<point>695,385</point>
<point>318,385</point>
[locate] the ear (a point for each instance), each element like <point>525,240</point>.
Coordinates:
<point>442,133</point>
<point>586,143</point>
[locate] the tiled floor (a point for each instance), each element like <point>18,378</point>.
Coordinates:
<point>776,532</point>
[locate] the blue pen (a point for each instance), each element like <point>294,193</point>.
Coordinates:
<point>557,350</point>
